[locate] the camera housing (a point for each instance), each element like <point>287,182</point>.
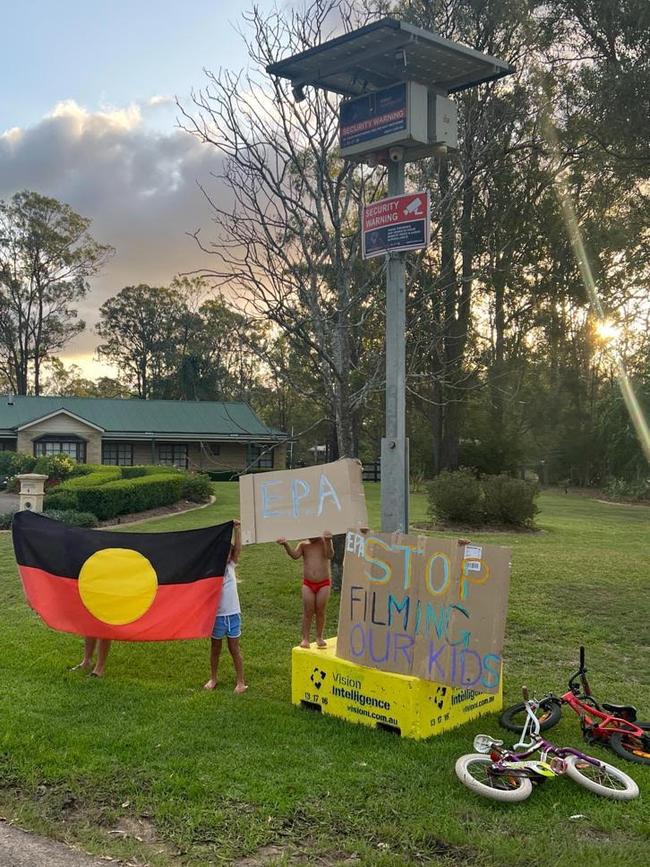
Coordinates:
<point>396,154</point>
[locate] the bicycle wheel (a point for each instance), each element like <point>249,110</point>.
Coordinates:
<point>602,779</point>
<point>548,713</point>
<point>472,771</point>
<point>631,748</point>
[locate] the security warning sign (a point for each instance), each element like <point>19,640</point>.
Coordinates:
<point>395,224</point>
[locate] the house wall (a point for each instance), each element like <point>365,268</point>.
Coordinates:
<point>62,424</point>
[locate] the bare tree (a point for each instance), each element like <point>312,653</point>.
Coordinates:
<point>287,214</point>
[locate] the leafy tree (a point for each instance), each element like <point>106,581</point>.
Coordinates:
<point>140,327</point>
<point>47,256</point>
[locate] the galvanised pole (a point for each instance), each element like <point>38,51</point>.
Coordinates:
<point>394,446</point>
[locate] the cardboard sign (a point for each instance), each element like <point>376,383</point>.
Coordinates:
<point>397,223</point>
<point>301,503</point>
<point>425,607</point>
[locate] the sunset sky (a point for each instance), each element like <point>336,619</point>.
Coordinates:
<point>87,115</point>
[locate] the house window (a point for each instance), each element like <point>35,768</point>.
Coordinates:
<point>262,457</point>
<point>173,455</point>
<point>117,454</point>
<point>75,448</point>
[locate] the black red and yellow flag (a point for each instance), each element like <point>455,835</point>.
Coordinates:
<point>127,586</point>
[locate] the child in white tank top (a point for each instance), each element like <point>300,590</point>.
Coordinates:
<point>228,621</point>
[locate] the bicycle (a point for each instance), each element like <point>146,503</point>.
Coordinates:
<point>505,775</point>
<point>611,725</point>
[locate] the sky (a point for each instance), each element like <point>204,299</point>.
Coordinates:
<point>88,115</point>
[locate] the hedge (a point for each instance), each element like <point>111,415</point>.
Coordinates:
<point>197,488</point>
<point>71,517</point>
<point>59,499</point>
<point>131,495</point>
<point>460,497</point>
<point>146,470</point>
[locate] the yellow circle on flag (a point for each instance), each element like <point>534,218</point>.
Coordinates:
<point>117,585</point>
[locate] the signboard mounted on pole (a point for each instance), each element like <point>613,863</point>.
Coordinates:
<point>396,223</point>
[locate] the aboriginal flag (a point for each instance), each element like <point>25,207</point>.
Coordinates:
<point>128,586</point>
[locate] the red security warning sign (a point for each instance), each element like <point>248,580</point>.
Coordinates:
<point>397,223</point>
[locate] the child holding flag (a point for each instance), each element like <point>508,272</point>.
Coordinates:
<point>228,621</point>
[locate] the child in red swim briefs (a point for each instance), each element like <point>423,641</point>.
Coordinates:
<point>316,555</point>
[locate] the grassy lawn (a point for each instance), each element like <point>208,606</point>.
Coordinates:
<point>211,778</point>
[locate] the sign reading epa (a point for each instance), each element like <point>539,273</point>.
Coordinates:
<point>397,223</point>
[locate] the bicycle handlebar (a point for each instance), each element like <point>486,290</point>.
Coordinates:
<point>524,691</point>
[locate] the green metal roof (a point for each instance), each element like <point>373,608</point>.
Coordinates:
<point>143,417</point>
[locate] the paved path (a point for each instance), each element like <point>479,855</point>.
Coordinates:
<point>20,849</point>
<point>9,502</point>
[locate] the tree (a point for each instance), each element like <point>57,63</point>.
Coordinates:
<point>288,240</point>
<point>46,258</point>
<point>141,326</point>
<point>69,381</point>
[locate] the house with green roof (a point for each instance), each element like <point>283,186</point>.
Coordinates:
<point>196,435</point>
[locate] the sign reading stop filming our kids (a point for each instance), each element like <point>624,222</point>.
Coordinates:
<point>431,608</point>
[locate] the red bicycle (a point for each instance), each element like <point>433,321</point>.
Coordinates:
<point>613,725</point>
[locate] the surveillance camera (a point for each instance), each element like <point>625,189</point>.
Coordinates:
<point>439,150</point>
<point>372,160</point>
<point>298,91</point>
<point>396,155</point>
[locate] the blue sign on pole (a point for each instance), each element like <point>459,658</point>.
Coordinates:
<point>374,115</point>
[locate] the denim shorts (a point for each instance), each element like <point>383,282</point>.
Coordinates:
<point>227,626</point>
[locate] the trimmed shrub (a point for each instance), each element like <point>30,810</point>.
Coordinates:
<point>197,488</point>
<point>146,470</point>
<point>60,500</point>
<point>86,469</point>
<point>624,489</point>
<point>5,520</point>
<point>131,495</point>
<point>99,476</point>
<point>12,463</point>
<point>71,517</point>
<point>55,467</point>
<point>456,496</point>
<point>509,501</point>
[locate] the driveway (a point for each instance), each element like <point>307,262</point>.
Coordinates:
<point>20,849</point>
<point>9,502</point>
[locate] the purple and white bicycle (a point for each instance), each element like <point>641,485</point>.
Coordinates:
<point>508,775</point>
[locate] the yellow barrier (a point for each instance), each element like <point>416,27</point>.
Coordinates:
<point>412,707</point>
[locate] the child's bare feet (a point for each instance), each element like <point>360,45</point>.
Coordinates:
<point>321,642</point>
<point>305,643</point>
<point>210,684</point>
<point>241,687</point>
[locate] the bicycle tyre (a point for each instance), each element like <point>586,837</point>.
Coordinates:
<point>515,789</point>
<point>513,718</point>
<point>603,786</point>
<point>627,747</point>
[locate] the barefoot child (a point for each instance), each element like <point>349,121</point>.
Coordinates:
<point>103,645</point>
<point>228,622</point>
<point>316,555</point>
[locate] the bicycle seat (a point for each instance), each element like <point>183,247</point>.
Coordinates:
<point>624,711</point>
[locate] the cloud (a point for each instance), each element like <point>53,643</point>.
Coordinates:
<point>137,184</point>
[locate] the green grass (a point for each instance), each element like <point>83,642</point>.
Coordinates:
<point>216,777</point>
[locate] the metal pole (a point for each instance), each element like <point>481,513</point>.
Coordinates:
<point>394,446</point>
